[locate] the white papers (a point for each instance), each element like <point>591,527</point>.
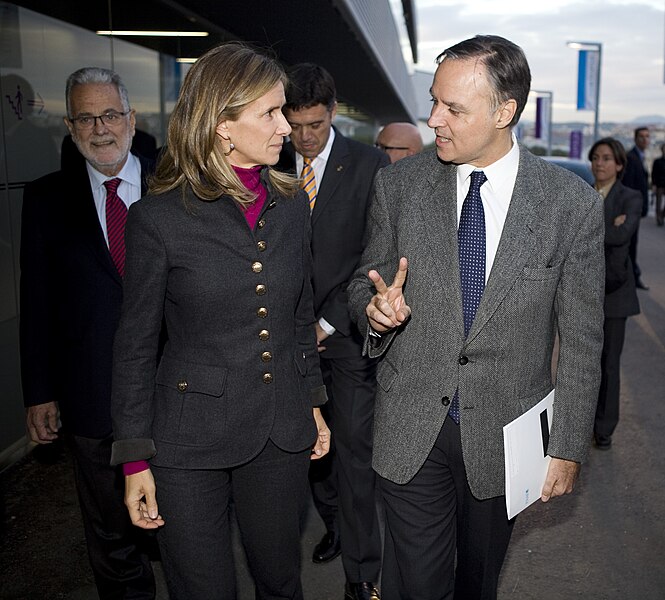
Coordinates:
<point>525,447</point>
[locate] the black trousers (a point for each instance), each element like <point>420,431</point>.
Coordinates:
<point>434,517</point>
<point>269,495</point>
<point>118,551</point>
<point>607,409</point>
<point>344,485</point>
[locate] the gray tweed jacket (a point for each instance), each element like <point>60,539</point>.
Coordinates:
<point>547,279</point>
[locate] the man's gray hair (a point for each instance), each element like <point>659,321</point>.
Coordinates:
<point>96,75</point>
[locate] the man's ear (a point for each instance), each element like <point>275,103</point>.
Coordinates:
<point>132,121</point>
<point>69,125</point>
<point>505,113</point>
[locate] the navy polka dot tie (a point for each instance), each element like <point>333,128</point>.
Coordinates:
<point>471,242</point>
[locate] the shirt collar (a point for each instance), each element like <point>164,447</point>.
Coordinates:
<point>130,173</point>
<point>500,173</point>
<point>321,156</point>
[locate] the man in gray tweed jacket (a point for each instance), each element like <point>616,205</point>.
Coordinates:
<point>446,387</point>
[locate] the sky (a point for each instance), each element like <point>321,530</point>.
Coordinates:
<point>631,33</point>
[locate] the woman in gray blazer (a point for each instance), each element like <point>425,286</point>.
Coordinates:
<point>218,254</point>
<point>622,216</point>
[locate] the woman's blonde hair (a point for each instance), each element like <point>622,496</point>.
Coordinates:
<point>219,86</point>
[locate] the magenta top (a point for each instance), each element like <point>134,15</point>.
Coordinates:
<point>251,179</point>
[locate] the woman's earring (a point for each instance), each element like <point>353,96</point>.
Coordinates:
<point>232,147</point>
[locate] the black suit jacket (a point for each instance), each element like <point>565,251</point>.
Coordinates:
<point>70,302</point>
<point>620,294</point>
<point>338,232</point>
<point>636,177</point>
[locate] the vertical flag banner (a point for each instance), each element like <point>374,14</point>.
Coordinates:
<point>575,150</point>
<point>587,79</point>
<point>543,118</point>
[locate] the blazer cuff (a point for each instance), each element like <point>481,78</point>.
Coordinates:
<point>124,451</point>
<point>377,343</point>
<point>319,396</point>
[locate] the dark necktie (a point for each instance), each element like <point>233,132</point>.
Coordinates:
<point>116,217</point>
<point>471,242</point>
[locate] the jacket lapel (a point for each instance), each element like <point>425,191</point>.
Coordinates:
<point>438,208</point>
<point>85,219</point>
<point>337,164</point>
<point>517,244</point>
<point>611,210</point>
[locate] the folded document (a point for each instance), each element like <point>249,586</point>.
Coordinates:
<point>525,443</point>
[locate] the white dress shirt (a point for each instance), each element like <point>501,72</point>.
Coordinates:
<point>495,194</point>
<point>129,189</point>
<point>320,162</point>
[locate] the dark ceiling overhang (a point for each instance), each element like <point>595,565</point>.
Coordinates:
<point>296,31</point>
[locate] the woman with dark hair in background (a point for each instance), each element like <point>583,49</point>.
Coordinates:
<point>623,208</point>
<point>220,250</point>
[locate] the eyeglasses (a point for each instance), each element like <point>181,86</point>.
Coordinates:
<point>386,148</point>
<point>111,118</point>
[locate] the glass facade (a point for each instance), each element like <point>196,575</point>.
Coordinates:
<point>37,53</point>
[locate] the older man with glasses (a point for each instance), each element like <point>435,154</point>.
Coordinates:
<point>72,264</point>
<point>399,140</point>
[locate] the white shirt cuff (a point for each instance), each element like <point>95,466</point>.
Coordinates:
<point>327,327</point>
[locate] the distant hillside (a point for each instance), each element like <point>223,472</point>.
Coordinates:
<point>650,119</point>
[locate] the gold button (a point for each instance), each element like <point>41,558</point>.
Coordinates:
<point>257,267</point>
<point>264,334</point>
<point>260,289</point>
<point>266,356</point>
<point>267,378</point>
<point>261,245</point>
<point>182,385</point>
<point>261,223</point>
<point>262,312</point>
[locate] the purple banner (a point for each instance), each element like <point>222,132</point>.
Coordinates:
<point>539,117</point>
<point>575,144</point>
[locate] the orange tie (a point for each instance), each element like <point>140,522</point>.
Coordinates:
<point>308,182</point>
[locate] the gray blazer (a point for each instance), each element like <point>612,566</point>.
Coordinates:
<point>240,365</point>
<point>547,278</point>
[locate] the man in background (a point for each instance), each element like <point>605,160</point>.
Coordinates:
<point>399,140</point>
<point>636,176</point>
<point>658,183</point>
<point>338,175</point>
<point>72,264</point>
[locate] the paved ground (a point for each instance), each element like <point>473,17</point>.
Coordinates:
<point>606,541</point>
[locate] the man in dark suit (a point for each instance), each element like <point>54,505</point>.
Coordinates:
<point>72,261</point>
<point>636,177</point>
<point>658,183</point>
<point>338,174</point>
<point>504,251</point>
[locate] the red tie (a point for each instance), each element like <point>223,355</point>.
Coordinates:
<point>116,217</point>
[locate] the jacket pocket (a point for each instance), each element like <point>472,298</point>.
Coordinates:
<point>301,362</point>
<point>541,274</point>
<point>190,409</point>
<point>386,375</point>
